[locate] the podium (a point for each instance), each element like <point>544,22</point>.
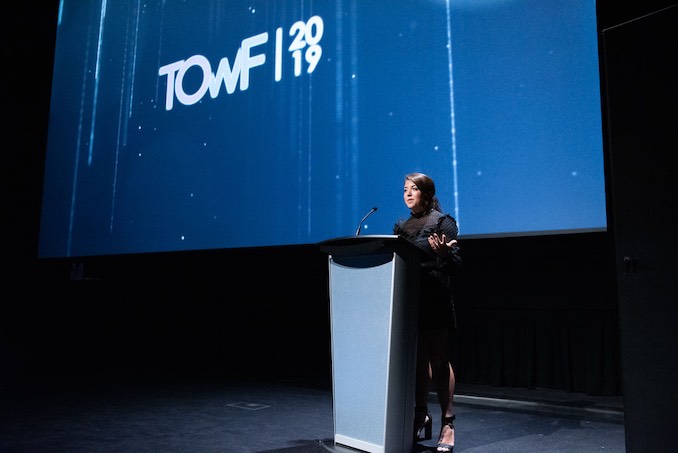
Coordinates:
<point>373,293</point>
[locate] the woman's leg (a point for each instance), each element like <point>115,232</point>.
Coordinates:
<point>422,421</point>
<point>423,371</point>
<point>444,381</point>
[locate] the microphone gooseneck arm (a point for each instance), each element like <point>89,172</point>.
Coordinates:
<point>360,225</point>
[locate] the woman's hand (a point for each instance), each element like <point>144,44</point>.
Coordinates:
<point>440,244</point>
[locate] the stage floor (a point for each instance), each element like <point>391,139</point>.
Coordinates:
<point>236,416</point>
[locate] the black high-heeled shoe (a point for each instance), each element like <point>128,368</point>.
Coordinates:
<point>423,422</point>
<point>447,448</point>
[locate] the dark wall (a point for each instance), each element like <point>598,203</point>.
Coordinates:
<point>533,312</point>
<point>247,313</point>
<point>540,312</point>
<point>643,140</point>
<point>28,54</point>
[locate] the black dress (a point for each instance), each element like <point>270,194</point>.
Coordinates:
<point>436,307</point>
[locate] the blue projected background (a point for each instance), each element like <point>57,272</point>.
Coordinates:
<point>221,124</point>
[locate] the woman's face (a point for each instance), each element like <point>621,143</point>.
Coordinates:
<point>412,197</point>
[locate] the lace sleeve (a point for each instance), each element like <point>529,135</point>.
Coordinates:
<point>448,226</point>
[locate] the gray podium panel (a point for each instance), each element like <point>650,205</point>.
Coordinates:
<point>373,332</point>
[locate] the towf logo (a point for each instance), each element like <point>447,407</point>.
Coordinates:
<point>305,51</point>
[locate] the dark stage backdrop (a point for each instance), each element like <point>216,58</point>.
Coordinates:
<point>533,312</point>
<point>220,124</point>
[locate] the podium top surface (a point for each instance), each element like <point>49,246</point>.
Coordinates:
<point>368,244</point>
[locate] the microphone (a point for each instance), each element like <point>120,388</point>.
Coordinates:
<point>360,225</point>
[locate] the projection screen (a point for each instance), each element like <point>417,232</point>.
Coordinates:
<point>179,125</point>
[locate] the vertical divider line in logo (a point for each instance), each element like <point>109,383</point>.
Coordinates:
<point>278,53</point>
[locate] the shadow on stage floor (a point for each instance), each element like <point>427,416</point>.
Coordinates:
<point>290,417</point>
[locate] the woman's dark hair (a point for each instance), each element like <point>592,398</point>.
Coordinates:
<point>427,188</point>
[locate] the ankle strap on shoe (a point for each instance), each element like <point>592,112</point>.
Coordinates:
<point>449,421</point>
